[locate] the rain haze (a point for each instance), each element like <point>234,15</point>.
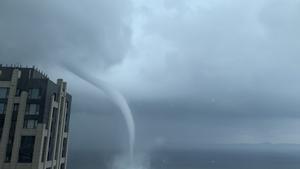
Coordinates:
<point>194,72</point>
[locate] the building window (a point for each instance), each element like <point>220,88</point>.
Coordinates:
<point>26,149</point>
<point>44,149</point>
<point>64,150</point>
<point>2,122</point>
<point>15,112</point>
<point>9,151</point>
<point>2,108</point>
<point>1,130</point>
<point>1,127</point>
<point>55,97</point>
<point>32,109</point>
<point>34,93</point>
<point>16,107</point>
<point>18,92</point>
<point>62,166</point>
<point>30,124</point>
<point>11,135</point>
<point>4,92</point>
<point>52,134</point>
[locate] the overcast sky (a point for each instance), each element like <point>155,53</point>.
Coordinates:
<point>193,71</point>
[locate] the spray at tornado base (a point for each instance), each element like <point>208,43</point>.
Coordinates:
<point>116,97</point>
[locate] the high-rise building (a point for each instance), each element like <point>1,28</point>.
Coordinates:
<point>34,120</point>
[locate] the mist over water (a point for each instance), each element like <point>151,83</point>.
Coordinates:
<point>117,98</point>
<point>138,161</point>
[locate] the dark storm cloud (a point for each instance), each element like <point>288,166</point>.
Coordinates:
<point>93,33</point>
<point>231,46</point>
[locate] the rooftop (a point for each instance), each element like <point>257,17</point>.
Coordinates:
<point>34,69</point>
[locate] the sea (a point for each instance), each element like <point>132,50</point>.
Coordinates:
<point>242,156</point>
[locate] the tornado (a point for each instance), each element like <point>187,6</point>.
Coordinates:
<point>116,97</point>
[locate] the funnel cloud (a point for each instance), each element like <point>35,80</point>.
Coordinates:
<point>116,97</point>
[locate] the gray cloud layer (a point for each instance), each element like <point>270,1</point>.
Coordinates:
<point>53,31</point>
<point>210,71</point>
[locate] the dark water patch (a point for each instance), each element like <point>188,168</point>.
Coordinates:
<point>209,157</point>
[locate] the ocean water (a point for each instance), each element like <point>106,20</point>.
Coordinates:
<point>230,157</point>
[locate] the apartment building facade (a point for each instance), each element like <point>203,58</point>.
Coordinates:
<point>34,120</point>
